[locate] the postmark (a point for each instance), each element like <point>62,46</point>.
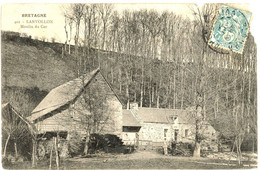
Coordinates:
<point>230,29</point>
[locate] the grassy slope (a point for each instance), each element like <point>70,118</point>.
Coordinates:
<point>29,73</point>
<point>28,67</point>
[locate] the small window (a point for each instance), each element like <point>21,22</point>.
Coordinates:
<point>186,132</point>
<point>131,128</point>
<point>165,132</point>
<point>176,131</point>
<point>125,129</point>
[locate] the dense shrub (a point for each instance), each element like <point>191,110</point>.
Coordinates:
<point>75,144</point>
<point>105,142</point>
<point>183,149</point>
<point>112,140</point>
<point>249,144</point>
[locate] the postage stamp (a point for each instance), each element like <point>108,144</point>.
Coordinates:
<point>230,29</point>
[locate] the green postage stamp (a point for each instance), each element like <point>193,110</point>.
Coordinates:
<point>230,29</point>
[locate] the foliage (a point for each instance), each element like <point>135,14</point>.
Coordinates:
<point>100,142</point>
<point>75,144</point>
<point>183,149</point>
<point>14,130</point>
<point>26,99</point>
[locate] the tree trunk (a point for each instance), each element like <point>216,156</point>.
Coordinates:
<point>144,89</point>
<point>51,154</point>
<point>57,153</point>
<point>158,101</point>
<point>182,88</point>
<point>253,147</point>
<point>85,48</point>
<point>70,24</point>
<point>158,87</point>
<point>135,96</point>
<point>238,151</point>
<point>34,153</point>
<point>104,36</point>
<point>69,47</point>
<point>127,89</point>
<point>227,100</point>
<point>196,152</point>
<point>248,101</point>
<point>235,93</point>
<point>141,98</point>
<point>66,33</point>
<point>142,86</point>
<point>152,94</point>
<point>120,80</point>
<point>204,106</point>
<point>15,149</point>
<point>174,92</point>
<point>127,96</point>
<point>77,37</point>
<point>169,92</point>
<point>86,145</point>
<point>62,52</point>
<point>6,143</point>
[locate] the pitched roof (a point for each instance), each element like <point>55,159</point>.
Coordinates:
<point>160,115</point>
<point>4,105</point>
<point>62,95</point>
<point>129,119</point>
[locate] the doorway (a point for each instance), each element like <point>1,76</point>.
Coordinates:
<point>165,134</point>
<point>176,132</point>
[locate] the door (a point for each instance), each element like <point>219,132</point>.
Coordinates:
<point>176,132</point>
<point>165,134</point>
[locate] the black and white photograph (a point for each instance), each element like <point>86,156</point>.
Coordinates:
<point>129,86</point>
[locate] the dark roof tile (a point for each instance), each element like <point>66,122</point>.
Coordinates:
<point>129,119</point>
<point>61,95</point>
<point>160,115</point>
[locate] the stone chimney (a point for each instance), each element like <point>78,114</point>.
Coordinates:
<point>134,106</point>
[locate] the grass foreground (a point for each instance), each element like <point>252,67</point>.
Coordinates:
<point>137,160</point>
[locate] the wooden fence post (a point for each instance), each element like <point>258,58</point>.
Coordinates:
<point>34,152</point>
<point>51,153</point>
<point>57,153</point>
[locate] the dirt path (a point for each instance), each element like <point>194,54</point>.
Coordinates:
<point>137,160</point>
<point>152,155</point>
<point>141,155</point>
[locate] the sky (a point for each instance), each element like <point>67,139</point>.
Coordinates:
<point>12,19</point>
<point>12,13</point>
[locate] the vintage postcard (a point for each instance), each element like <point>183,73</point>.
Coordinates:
<point>129,86</point>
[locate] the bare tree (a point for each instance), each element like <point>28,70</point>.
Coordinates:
<point>14,126</point>
<point>77,12</point>
<point>105,11</point>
